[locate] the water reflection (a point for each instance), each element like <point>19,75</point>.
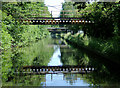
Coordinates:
<point>35,54</point>
<point>64,80</point>
<point>56,58</point>
<point>107,73</point>
<point>61,79</point>
<point>60,54</point>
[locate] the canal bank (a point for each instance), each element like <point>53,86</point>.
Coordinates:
<point>63,54</point>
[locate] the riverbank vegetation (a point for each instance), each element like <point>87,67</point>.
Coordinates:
<point>13,32</point>
<point>18,41</point>
<point>103,35</point>
<point>36,54</point>
<point>107,48</point>
<point>104,74</point>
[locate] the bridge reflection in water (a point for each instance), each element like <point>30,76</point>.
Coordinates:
<point>55,66</point>
<point>56,73</point>
<point>68,67</point>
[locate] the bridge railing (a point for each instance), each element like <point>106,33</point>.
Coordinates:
<point>55,20</point>
<point>56,69</point>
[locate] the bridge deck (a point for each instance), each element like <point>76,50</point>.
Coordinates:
<point>49,22</point>
<point>56,69</point>
<point>54,20</point>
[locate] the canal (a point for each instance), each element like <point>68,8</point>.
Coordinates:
<point>56,52</point>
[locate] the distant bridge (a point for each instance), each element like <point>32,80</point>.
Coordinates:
<point>77,69</point>
<point>58,30</point>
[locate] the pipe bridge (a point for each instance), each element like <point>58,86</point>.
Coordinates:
<point>54,21</point>
<point>77,69</point>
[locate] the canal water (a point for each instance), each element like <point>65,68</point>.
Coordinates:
<point>60,79</point>
<point>55,52</point>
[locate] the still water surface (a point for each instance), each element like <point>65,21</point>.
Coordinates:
<point>55,52</point>
<point>58,79</point>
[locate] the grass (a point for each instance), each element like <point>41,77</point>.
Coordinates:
<point>36,54</point>
<point>109,48</point>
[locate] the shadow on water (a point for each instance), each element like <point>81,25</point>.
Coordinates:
<point>59,53</point>
<point>107,73</point>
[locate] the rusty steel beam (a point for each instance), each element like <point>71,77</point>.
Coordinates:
<point>50,22</point>
<point>76,69</point>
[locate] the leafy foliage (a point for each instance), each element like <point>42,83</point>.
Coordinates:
<point>104,35</point>
<point>105,15</point>
<point>14,33</point>
<point>35,54</point>
<point>108,48</point>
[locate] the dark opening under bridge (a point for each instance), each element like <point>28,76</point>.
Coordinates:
<point>37,70</point>
<point>54,20</point>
